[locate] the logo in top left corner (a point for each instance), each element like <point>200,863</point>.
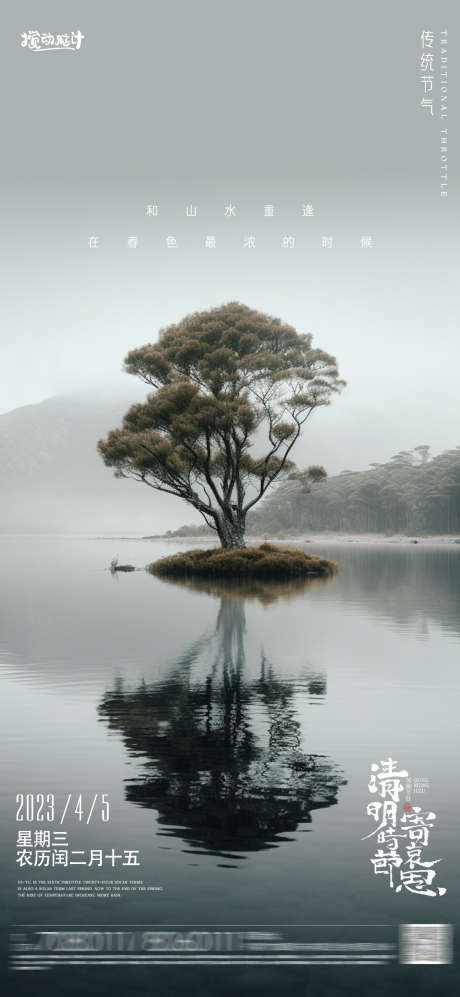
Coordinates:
<point>44,41</point>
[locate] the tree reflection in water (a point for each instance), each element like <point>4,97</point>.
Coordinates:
<point>223,762</point>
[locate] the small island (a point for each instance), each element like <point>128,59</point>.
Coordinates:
<point>266,561</point>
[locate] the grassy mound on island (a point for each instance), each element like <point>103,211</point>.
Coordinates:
<point>266,561</point>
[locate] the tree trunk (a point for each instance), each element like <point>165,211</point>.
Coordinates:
<point>231,530</point>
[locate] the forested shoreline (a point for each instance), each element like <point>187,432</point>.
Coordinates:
<point>411,493</point>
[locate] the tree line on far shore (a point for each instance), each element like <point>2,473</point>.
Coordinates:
<point>413,492</point>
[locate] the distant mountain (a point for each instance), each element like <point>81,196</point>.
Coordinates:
<point>53,480</point>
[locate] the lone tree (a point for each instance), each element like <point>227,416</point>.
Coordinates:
<point>232,390</point>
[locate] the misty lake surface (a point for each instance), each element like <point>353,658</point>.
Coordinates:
<point>175,701</point>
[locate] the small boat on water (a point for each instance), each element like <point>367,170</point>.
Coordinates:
<point>114,566</point>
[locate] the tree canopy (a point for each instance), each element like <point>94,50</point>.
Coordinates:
<point>232,390</point>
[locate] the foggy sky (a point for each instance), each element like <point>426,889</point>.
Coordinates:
<point>207,103</point>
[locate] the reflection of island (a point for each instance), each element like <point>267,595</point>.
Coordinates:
<point>263,590</point>
<point>225,769</point>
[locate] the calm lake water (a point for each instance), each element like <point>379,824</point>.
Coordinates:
<point>233,735</point>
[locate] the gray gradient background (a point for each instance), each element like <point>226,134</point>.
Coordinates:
<point>250,102</point>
